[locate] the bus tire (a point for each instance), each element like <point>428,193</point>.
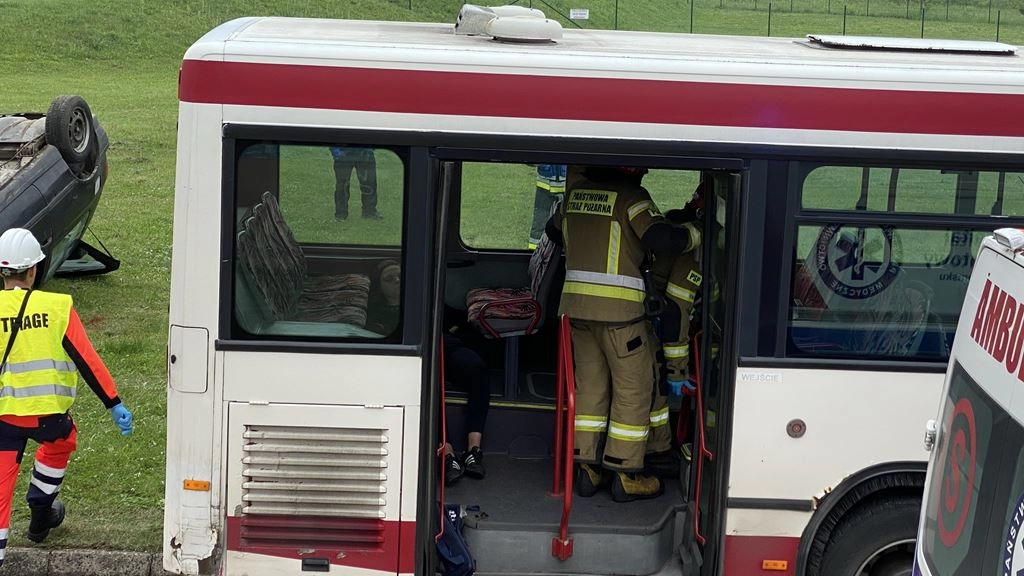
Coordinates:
<point>876,539</point>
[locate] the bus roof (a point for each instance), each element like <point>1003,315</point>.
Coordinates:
<point>606,84</point>
<point>604,49</point>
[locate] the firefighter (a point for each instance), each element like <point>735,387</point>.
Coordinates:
<point>607,224</point>
<point>678,278</point>
<point>549,189</point>
<point>45,350</point>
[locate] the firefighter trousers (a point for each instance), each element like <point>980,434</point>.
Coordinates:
<point>614,387</point>
<point>56,435</point>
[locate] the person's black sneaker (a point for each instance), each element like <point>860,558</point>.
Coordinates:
<point>453,469</point>
<point>372,215</point>
<point>473,462</point>
<point>589,479</point>
<point>340,217</point>
<point>44,520</point>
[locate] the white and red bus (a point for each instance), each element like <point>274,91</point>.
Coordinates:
<point>974,500</point>
<point>851,181</point>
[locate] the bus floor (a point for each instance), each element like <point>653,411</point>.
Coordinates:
<point>512,517</point>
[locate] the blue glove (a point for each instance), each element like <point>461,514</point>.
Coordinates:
<point>676,386</point>
<point>123,418</point>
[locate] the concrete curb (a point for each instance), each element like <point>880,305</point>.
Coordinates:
<point>39,562</point>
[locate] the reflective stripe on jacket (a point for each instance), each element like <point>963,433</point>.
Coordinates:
<point>602,225</point>
<point>39,377</point>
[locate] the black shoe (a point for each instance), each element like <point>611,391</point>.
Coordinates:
<point>664,464</point>
<point>453,469</point>
<point>372,215</point>
<point>589,479</point>
<point>340,217</point>
<point>473,462</point>
<point>627,487</point>
<point>44,520</point>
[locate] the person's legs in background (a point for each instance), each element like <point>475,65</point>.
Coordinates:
<point>342,176</point>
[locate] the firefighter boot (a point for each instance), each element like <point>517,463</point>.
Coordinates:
<point>44,520</point>
<point>589,479</point>
<point>629,486</point>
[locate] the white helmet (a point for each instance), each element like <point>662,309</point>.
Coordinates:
<point>19,250</point>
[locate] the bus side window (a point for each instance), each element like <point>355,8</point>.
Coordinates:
<point>889,287</point>
<point>303,271</point>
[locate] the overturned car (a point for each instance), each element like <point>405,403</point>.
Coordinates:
<point>52,170</point>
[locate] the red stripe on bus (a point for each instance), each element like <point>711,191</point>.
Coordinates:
<point>600,99</point>
<point>746,555</point>
<point>387,546</point>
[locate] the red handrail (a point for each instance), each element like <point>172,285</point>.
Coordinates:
<point>561,546</point>
<point>556,474</point>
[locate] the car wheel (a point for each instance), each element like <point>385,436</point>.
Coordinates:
<point>69,128</point>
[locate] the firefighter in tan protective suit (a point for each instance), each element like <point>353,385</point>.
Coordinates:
<point>679,277</point>
<point>607,224</point>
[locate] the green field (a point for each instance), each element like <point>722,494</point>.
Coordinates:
<point>123,57</point>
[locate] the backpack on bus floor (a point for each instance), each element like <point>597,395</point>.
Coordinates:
<point>452,548</point>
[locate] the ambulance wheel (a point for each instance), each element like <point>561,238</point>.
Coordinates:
<point>876,539</point>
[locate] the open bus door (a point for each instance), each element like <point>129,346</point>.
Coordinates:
<point>702,543</point>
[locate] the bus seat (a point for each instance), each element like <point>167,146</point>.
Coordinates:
<point>272,261</point>
<point>504,312</point>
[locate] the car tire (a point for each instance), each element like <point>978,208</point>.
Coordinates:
<point>879,534</point>
<point>69,128</point>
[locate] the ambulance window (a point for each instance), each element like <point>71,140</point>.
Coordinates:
<point>967,506</point>
<point>318,241</point>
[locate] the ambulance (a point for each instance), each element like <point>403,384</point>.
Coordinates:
<point>974,499</point>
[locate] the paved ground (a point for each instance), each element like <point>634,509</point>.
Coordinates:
<point>37,562</point>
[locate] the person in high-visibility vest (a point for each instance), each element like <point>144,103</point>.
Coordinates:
<point>550,187</point>
<point>45,349</point>
<point>607,223</point>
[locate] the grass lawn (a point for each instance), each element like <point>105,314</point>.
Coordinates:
<point>123,57</point>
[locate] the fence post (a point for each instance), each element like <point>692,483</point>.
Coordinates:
<point>908,9</point>
<point>999,14</point>
<point>769,18</point>
<point>692,2</point>
<point>867,10</point>
<point>947,10</point>
<point>844,19</point>
<point>830,7</point>
<point>922,18</point>
<point>617,14</point>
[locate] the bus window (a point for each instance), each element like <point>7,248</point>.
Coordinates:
<point>522,193</point>
<point>1001,194</point>
<point>963,524</point>
<point>880,189</point>
<point>874,291</point>
<point>301,271</point>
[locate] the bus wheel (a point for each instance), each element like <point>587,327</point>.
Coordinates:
<point>876,539</point>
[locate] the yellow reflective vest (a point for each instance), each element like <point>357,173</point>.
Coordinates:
<point>39,377</point>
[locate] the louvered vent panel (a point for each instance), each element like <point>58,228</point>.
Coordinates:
<point>302,472</point>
